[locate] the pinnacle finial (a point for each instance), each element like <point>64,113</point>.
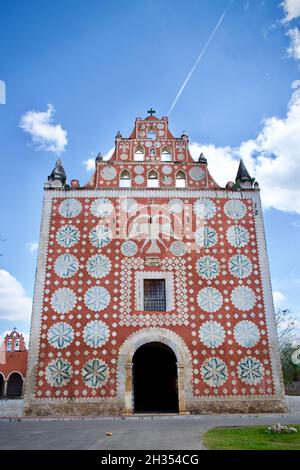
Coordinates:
<point>202,158</point>
<point>58,177</point>
<point>243,177</point>
<point>99,157</point>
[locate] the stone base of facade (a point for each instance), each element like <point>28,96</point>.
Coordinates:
<point>239,407</point>
<point>114,409</point>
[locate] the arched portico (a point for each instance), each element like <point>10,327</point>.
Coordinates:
<point>15,383</point>
<point>2,382</point>
<point>125,369</point>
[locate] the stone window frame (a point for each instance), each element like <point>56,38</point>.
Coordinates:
<point>140,276</point>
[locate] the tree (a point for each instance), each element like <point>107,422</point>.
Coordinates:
<point>286,329</point>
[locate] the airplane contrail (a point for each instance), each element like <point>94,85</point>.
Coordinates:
<point>200,57</point>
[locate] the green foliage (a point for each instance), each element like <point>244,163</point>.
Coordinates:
<point>250,438</point>
<point>291,372</point>
<point>285,323</point>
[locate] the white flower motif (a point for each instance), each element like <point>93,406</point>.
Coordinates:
<point>205,208</point>
<point>102,208</point>
<point>63,300</point>
<point>166,169</point>
<point>210,299</point>
<point>70,208</point>
<point>214,372</point>
<point>129,248</point>
<point>100,236</point>
<point>95,373</point>
<point>167,180</point>
<point>207,267</point>
<point>139,179</point>
<point>250,371</point>
<point>96,334</point>
<point>246,334</point>
<point>97,298</point>
<point>109,173</point>
<point>243,298</point>
<point>206,237</point>
<point>235,209</point>
<point>67,236</point>
<point>196,173</point>
<point>238,236</point>
<point>98,266</point>
<point>66,266</point>
<point>212,334</point>
<point>58,372</point>
<point>178,248</point>
<point>240,266</point>
<point>139,169</point>
<point>60,335</point>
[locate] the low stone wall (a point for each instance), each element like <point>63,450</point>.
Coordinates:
<point>11,408</point>
<point>293,403</point>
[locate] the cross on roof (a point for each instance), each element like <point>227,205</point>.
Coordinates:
<point>151,111</point>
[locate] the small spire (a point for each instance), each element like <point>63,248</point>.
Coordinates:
<point>202,158</point>
<point>99,157</point>
<point>58,176</point>
<point>118,136</point>
<point>243,177</point>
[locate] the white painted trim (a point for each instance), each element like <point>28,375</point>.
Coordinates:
<point>36,318</point>
<point>15,372</point>
<point>268,300</point>
<point>148,193</point>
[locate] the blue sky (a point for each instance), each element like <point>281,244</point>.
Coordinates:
<point>100,64</point>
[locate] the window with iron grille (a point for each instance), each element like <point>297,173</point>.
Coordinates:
<point>155,295</point>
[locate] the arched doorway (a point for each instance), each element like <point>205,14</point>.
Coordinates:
<point>1,386</point>
<point>155,379</point>
<point>14,386</point>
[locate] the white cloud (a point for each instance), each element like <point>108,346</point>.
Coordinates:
<point>46,135</point>
<point>291,9</point>
<point>278,298</point>
<point>14,303</point>
<point>294,48</point>
<point>272,158</point>
<point>90,162</point>
<point>32,246</point>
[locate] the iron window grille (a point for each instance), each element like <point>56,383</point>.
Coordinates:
<point>155,295</point>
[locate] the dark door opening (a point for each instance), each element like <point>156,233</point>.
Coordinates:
<point>1,386</point>
<point>14,386</point>
<point>155,379</point>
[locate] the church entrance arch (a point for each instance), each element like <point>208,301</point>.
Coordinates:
<point>170,348</point>
<point>155,387</point>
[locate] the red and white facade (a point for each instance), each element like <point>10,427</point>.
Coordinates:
<point>152,213</point>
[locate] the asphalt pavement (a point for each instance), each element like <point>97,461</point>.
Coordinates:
<point>128,433</point>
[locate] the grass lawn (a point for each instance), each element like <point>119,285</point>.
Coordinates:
<point>250,438</point>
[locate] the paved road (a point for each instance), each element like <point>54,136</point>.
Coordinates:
<point>168,433</point>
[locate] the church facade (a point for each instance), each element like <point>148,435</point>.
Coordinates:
<point>153,290</point>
